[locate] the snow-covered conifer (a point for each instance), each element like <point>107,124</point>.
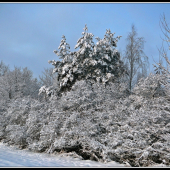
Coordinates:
<point>94,63</point>
<point>64,51</point>
<point>108,60</point>
<point>63,67</point>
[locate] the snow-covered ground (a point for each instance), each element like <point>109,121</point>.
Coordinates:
<point>13,157</point>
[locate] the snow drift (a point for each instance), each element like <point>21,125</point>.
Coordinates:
<point>13,157</point>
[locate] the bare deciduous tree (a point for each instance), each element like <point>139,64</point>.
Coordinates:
<point>48,77</point>
<point>135,59</point>
<point>18,83</point>
<point>165,29</point>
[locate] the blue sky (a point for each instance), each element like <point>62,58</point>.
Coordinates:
<point>29,32</point>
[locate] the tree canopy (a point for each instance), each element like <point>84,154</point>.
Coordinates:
<point>98,62</point>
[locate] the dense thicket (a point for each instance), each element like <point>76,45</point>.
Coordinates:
<point>133,130</point>
<point>94,117</point>
<point>17,83</point>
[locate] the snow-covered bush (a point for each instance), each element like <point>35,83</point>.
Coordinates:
<point>92,122</point>
<point>152,86</point>
<point>166,74</point>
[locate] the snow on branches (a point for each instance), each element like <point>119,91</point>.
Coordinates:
<point>151,86</point>
<point>97,63</point>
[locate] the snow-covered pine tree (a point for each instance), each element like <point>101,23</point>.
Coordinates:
<point>94,63</point>
<point>83,60</point>
<point>109,65</point>
<point>63,67</point>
